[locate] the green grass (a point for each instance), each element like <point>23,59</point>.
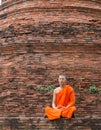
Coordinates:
<point>42,89</point>
<point>93,89</point>
<point>46,88</point>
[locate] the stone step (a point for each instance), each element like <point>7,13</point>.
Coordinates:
<point>34,123</point>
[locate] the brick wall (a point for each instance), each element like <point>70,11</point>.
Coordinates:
<point>38,41</point>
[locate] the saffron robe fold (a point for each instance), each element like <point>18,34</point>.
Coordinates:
<point>64,97</point>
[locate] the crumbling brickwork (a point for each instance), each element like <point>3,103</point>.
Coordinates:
<point>40,39</point>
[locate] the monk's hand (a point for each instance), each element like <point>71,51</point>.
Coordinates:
<point>67,106</point>
<point>61,107</point>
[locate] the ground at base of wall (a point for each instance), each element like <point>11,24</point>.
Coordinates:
<point>30,123</point>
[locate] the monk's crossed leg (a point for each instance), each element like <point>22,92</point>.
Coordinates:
<point>67,113</point>
<point>52,113</point>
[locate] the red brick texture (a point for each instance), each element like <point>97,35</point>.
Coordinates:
<point>40,39</point>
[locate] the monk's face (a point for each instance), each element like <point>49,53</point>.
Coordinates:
<point>62,80</point>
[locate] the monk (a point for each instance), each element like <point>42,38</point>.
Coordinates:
<point>63,101</point>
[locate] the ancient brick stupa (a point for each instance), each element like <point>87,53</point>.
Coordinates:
<point>40,39</point>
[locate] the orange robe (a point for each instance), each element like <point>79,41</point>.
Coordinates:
<point>64,98</point>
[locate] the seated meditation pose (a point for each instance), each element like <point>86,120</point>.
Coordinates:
<point>63,101</point>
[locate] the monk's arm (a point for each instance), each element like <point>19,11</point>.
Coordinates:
<point>54,100</point>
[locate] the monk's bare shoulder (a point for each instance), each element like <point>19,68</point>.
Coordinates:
<point>57,90</point>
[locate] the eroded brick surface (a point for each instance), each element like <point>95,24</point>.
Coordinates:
<point>38,41</point>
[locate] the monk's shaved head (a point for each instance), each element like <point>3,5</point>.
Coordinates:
<point>62,80</point>
<point>64,76</point>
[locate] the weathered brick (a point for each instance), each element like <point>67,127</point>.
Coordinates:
<point>40,39</point>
